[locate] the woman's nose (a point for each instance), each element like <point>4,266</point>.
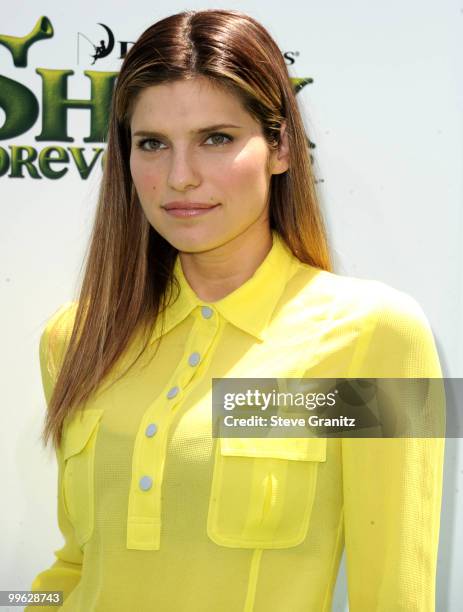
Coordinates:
<point>182,171</point>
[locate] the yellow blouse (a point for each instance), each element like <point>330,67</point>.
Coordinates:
<point>157,514</point>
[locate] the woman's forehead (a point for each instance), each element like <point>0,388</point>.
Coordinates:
<point>190,103</point>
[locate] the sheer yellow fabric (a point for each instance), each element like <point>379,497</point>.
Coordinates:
<point>156,514</point>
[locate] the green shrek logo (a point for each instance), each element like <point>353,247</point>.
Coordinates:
<point>21,108</point>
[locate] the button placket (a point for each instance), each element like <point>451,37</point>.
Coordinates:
<point>207,312</point>
<point>146,482</point>
<point>150,430</point>
<point>194,359</point>
<point>173,391</point>
<point>144,515</point>
<point>202,337</point>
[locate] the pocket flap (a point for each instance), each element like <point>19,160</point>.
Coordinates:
<point>296,449</point>
<point>78,430</point>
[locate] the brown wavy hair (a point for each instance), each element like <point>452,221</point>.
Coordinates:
<point>128,270</point>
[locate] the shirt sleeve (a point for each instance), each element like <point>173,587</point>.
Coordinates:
<point>392,487</point>
<point>65,572</point>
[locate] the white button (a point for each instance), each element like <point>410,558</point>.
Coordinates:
<point>194,358</point>
<point>206,312</point>
<point>172,392</point>
<point>151,430</point>
<point>145,483</point>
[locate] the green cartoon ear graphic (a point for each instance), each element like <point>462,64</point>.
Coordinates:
<point>19,46</point>
<point>300,83</point>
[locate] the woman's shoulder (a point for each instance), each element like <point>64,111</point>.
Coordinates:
<point>56,333</point>
<point>357,297</point>
<point>391,332</point>
<point>61,320</point>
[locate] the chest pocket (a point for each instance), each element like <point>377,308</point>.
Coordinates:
<point>79,438</point>
<point>263,491</point>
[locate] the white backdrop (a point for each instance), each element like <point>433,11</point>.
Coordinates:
<point>385,113</point>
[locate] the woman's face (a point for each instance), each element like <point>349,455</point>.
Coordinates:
<point>177,157</point>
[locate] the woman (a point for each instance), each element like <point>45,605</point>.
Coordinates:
<point>209,259</point>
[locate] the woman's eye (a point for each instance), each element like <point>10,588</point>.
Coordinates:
<point>220,135</point>
<point>141,144</point>
<point>151,144</point>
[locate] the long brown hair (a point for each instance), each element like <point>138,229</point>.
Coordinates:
<point>128,275</point>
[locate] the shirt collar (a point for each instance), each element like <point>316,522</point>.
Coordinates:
<point>248,307</point>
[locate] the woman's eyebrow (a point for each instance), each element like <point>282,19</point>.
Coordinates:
<point>209,128</point>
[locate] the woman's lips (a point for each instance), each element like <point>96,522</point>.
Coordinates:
<point>189,212</point>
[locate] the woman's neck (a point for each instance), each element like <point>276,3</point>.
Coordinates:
<point>215,273</point>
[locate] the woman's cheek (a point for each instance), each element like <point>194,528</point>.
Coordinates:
<point>145,179</point>
<point>248,173</point>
